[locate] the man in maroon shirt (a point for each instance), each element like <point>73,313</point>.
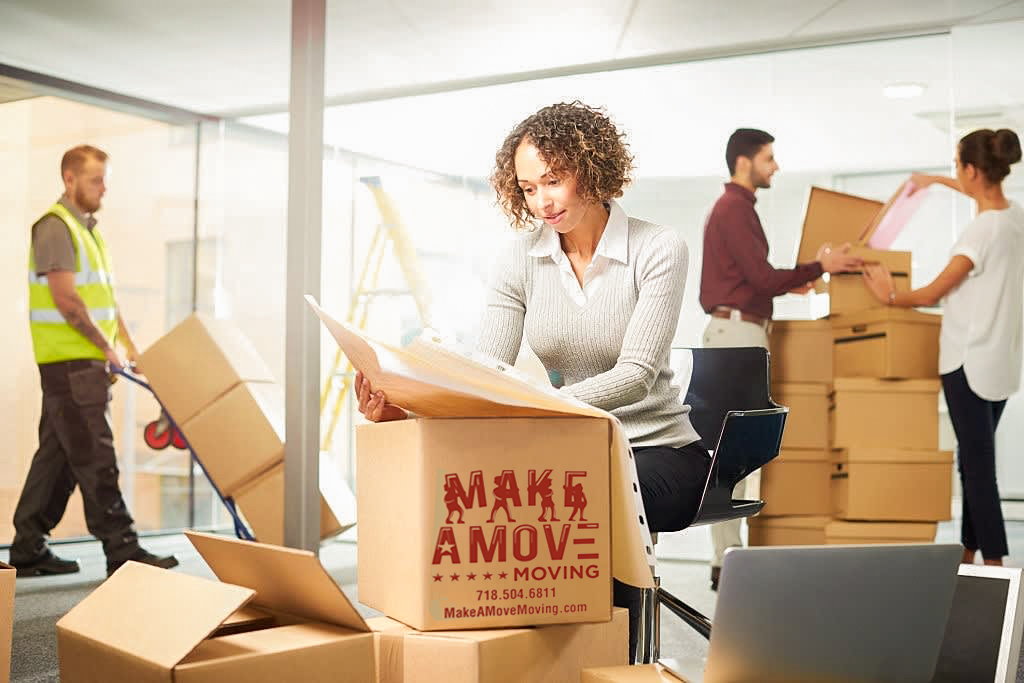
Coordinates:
<point>738,283</point>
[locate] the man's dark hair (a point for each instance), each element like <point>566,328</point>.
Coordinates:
<point>745,142</point>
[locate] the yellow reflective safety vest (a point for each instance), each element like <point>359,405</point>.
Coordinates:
<point>53,339</point>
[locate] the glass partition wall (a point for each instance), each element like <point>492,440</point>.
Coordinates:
<point>197,211</point>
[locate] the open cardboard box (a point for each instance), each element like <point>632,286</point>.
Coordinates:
<point>145,624</point>
<point>839,218</point>
<point>553,654</point>
<point>485,522</point>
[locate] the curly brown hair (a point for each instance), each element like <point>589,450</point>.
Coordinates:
<point>573,139</point>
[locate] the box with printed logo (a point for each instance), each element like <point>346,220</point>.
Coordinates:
<point>485,522</point>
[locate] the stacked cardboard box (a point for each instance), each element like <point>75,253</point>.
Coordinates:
<point>224,398</point>
<point>497,524</point>
<point>861,441</point>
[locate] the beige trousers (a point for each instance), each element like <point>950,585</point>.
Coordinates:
<point>725,332</point>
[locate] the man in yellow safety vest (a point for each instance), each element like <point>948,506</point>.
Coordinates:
<point>75,322</point>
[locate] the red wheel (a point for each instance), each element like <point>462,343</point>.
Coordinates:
<point>157,440</point>
<point>177,440</point>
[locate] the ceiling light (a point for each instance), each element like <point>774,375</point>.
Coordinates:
<point>903,91</point>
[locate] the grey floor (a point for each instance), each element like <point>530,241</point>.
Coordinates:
<point>40,602</point>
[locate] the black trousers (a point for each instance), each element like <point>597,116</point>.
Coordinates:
<point>76,447</point>
<point>974,421</point>
<point>671,483</point>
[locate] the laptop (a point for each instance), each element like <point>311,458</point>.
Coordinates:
<point>828,614</point>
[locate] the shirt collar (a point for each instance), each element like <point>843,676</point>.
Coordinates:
<point>614,242</point>
<point>740,191</point>
<point>88,221</point>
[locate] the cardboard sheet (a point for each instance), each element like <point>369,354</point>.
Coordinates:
<point>431,380</point>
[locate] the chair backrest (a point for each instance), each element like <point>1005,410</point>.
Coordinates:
<point>732,411</point>
<point>723,380</point>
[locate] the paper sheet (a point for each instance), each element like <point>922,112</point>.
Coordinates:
<point>433,381</point>
<point>895,215</point>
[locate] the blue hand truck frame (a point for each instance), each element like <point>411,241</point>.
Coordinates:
<point>241,531</point>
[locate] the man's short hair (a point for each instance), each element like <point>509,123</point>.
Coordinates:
<point>74,158</point>
<point>745,142</point>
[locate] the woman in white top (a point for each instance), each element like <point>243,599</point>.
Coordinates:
<point>981,339</point>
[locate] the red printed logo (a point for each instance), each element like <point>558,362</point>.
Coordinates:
<point>508,530</point>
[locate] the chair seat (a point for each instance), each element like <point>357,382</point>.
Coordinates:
<point>737,509</point>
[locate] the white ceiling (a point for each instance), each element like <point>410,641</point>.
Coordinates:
<point>233,55</point>
<point>824,104</point>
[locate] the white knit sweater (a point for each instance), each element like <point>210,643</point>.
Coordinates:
<point>613,352</point>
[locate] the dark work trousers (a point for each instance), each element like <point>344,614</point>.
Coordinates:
<point>76,446</point>
<point>672,482</point>
<point>974,421</point>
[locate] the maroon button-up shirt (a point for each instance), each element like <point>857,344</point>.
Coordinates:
<point>736,272</point>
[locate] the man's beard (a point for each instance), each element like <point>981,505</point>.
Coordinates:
<point>85,204</point>
<point>760,182</point>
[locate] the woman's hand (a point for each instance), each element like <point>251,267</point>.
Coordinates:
<point>374,405</point>
<point>879,282</point>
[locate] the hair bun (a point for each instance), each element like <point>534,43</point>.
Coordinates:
<point>1006,146</point>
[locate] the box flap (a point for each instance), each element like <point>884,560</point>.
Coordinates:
<point>800,389</point>
<point>888,386</point>
<point>285,579</point>
<point>793,522</point>
<point>869,530</point>
<point>834,217</point>
<point>154,614</point>
<point>883,314</point>
<point>893,455</point>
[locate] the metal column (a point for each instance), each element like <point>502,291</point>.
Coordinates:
<point>305,211</point>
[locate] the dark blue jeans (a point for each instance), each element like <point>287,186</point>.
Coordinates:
<point>974,421</point>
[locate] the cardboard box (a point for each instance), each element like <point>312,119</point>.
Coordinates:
<point>839,218</point>
<point>554,654</point>
<point>240,435</point>
<point>848,295</point>
<point>645,673</point>
<point>875,533</point>
<point>145,624</point>
<point>198,360</point>
<point>809,423</point>
<point>894,485</point>
<point>485,522</point>
<point>797,530</point>
<point>262,502</point>
<point>801,351</point>
<point>882,413</point>
<point>7,582</point>
<point>894,343</point>
<point>797,483</point>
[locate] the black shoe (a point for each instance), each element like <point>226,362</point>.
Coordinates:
<point>716,572</point>
<point>48,565</point>
<point>145,557</point>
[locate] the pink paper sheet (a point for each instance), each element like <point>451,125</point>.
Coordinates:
<point>897,217</point>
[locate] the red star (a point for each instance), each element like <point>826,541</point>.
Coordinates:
<point>487,576</point>
<point>455,577</point>
<point>503,575</point>
<point>470,576</point>
<point>437,577</point>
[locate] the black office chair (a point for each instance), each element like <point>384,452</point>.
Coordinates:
<point>730,407</point>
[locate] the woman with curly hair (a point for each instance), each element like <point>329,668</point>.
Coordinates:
<point>981,342</point>
<point>598,296</point>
